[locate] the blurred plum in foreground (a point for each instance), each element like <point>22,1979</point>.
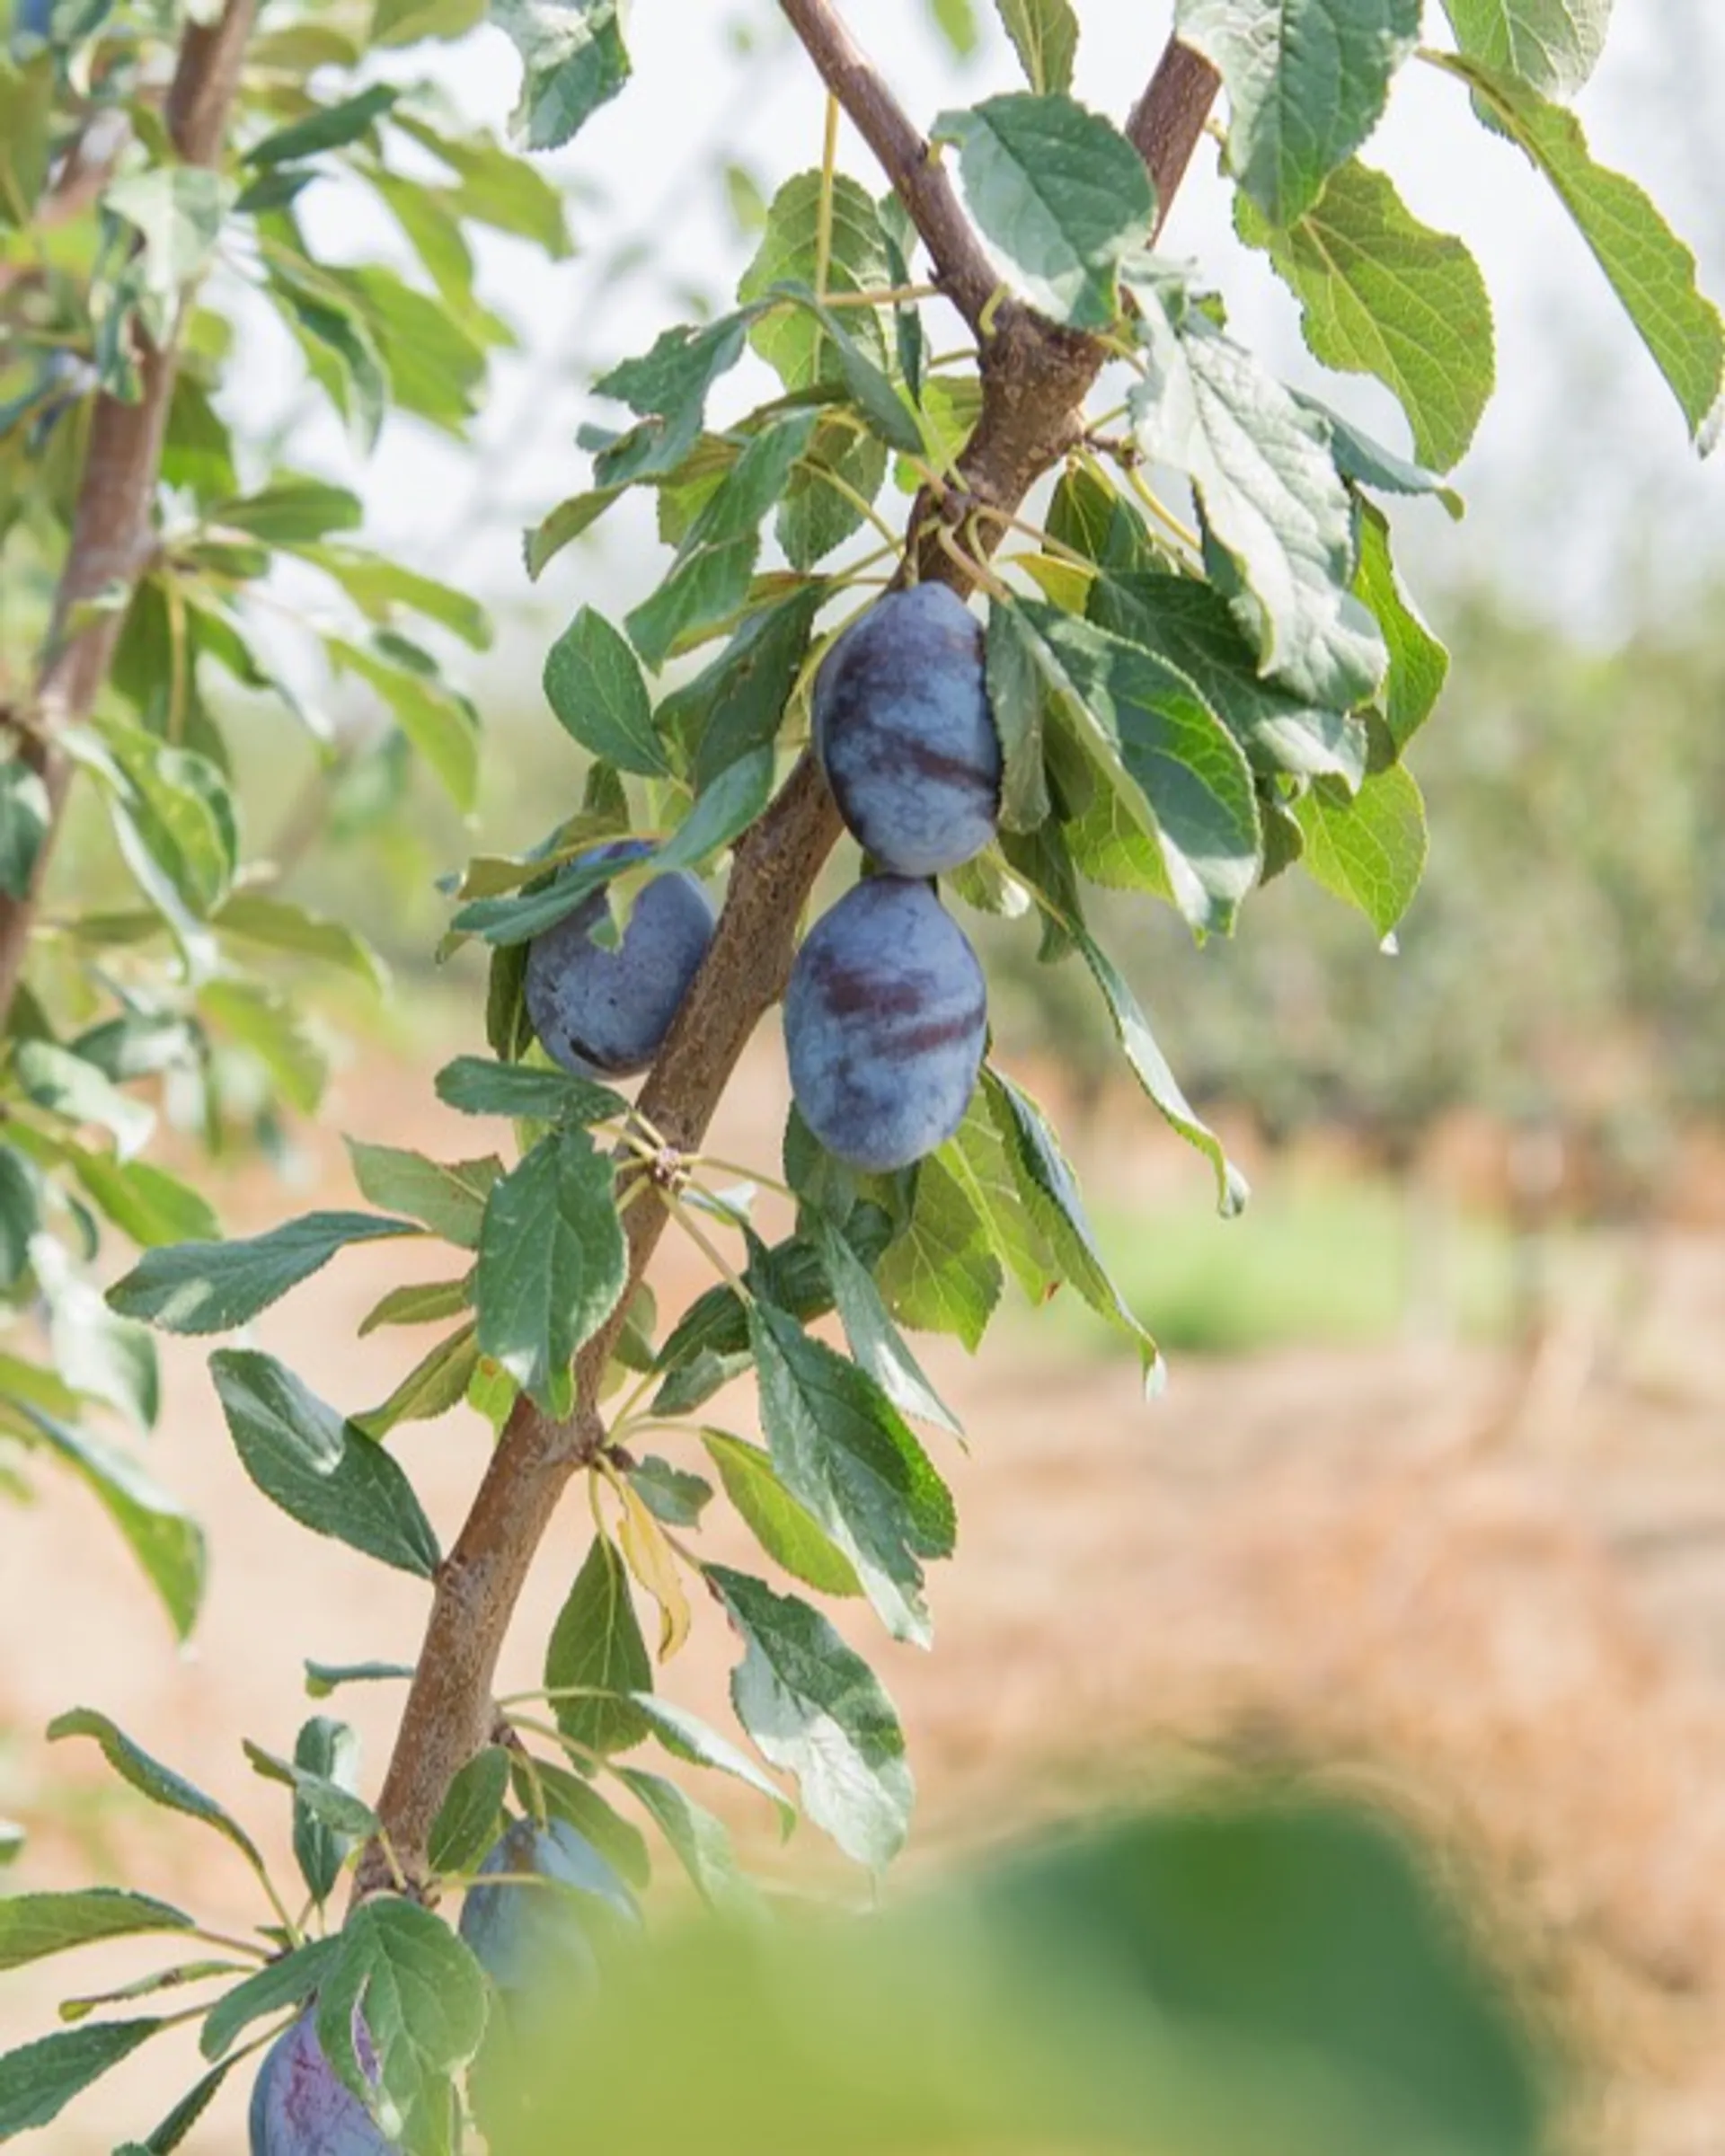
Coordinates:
<point>300,2108</point>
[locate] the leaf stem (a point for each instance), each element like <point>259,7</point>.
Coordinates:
<point>716,1256</point>
<point>824,214</point>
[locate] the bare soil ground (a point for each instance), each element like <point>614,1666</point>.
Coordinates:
<point>1495,1597</point>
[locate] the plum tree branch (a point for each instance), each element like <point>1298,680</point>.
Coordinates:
<point>1036,378</point>
<point>111,528</point>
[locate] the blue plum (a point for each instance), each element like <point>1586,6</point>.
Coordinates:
<point>530,1935</point>
<point>905,733</point>
<point>604,1013</point>
<point>885,1018</point>
<point>299,2107</point>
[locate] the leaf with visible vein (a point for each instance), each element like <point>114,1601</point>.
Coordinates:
<point>1382,294</point>
<point>213,1287</point>
<point>1306,82</point>
<point>1649,268</point>
<point>1370,850</point>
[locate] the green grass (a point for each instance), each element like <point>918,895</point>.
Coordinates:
<point>1317,1260</point>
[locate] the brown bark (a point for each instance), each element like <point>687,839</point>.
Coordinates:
<point>110,530</point>
<point>1035,379</point>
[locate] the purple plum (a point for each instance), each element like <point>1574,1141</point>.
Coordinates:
<point>528,1935</point>
<point>885,1018</point>
<point>604,1013</point>
<point>905,733</point>
<point>300,2108</point>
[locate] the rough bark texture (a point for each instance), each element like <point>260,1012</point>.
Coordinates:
<point>110,531</point>
<point>1035,379</point>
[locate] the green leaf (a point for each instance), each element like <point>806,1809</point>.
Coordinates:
<point>1368,464</point>
<point>941,1273</point>
<point>277,923</point>
<point>24,819</point>
<point>1018,690</point>
<point>724,808</point>
<point>28,105</point>
<point>541,543</point>
<point>889,419</point>
<point>338,346</point>
<point>424,2002</point>
<point>379,587</point>
<point>710,578</point>
<point>876,1342</point>
<point>686,1736</point>
<point>845,1453</point>
<point>162,1535</point>
<point>1419,663</point>
<point>471,1816</point>
<point>784,1529</point>
<point>270,1027</point>
<point>38,2080</point>
<point>1060,195</point>
<point>19,1216</point>
<point>174,2129</point>
<point>1177,771</point>
<point>1551,44</point>
<point>595,688</point>
<point>34,1925</point>
<point>103,1356</point>
<point>815,516</point>
<point>441,726</point>
<point>142,1200</point>
<point>977,1160</point>
<point>574,60</point>
<point>213,1287</point>
<point>303,1457</point>
<point>1049,1190</point>
<point>329,1750</point>
<point>173,806</point>
<point>438,1382</point>
<point>290,511</point>
<point>1045,36</point>
<point>1274,503</point>
<point>801,345</point>
<point>1307,82</point>
<point>814,1708</point>
<point>407,22</point>
<point>673,1495</point>
<point>701,1841</point>
<point>1189,625</point>
<point>479,1087</point>
<point>448,1197</point>
<point>669,386</point>
<point>596,1645</point>
<point>177,212</point>
<point>1370,850</point>
<point>1650,268</point>
<point>65,1085</point>
<point>289,1982</point>
<point>736,704</point>
<point>323,1678</point>
<point>567,1796</point>
<point>1150,1067</point>
<point>1382,294</point>
<point>419,1302</point>
<point>551,1263</point>
<point>151,1779</point>
<point>328,129</point>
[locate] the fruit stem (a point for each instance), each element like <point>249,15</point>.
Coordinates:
<point>716,1256</point>
<point>857,502</point>
<point>888,296</point>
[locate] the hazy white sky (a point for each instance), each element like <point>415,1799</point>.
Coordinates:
<point>1582,443</point>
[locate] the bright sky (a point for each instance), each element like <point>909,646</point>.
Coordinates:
<point>1582,481</point>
